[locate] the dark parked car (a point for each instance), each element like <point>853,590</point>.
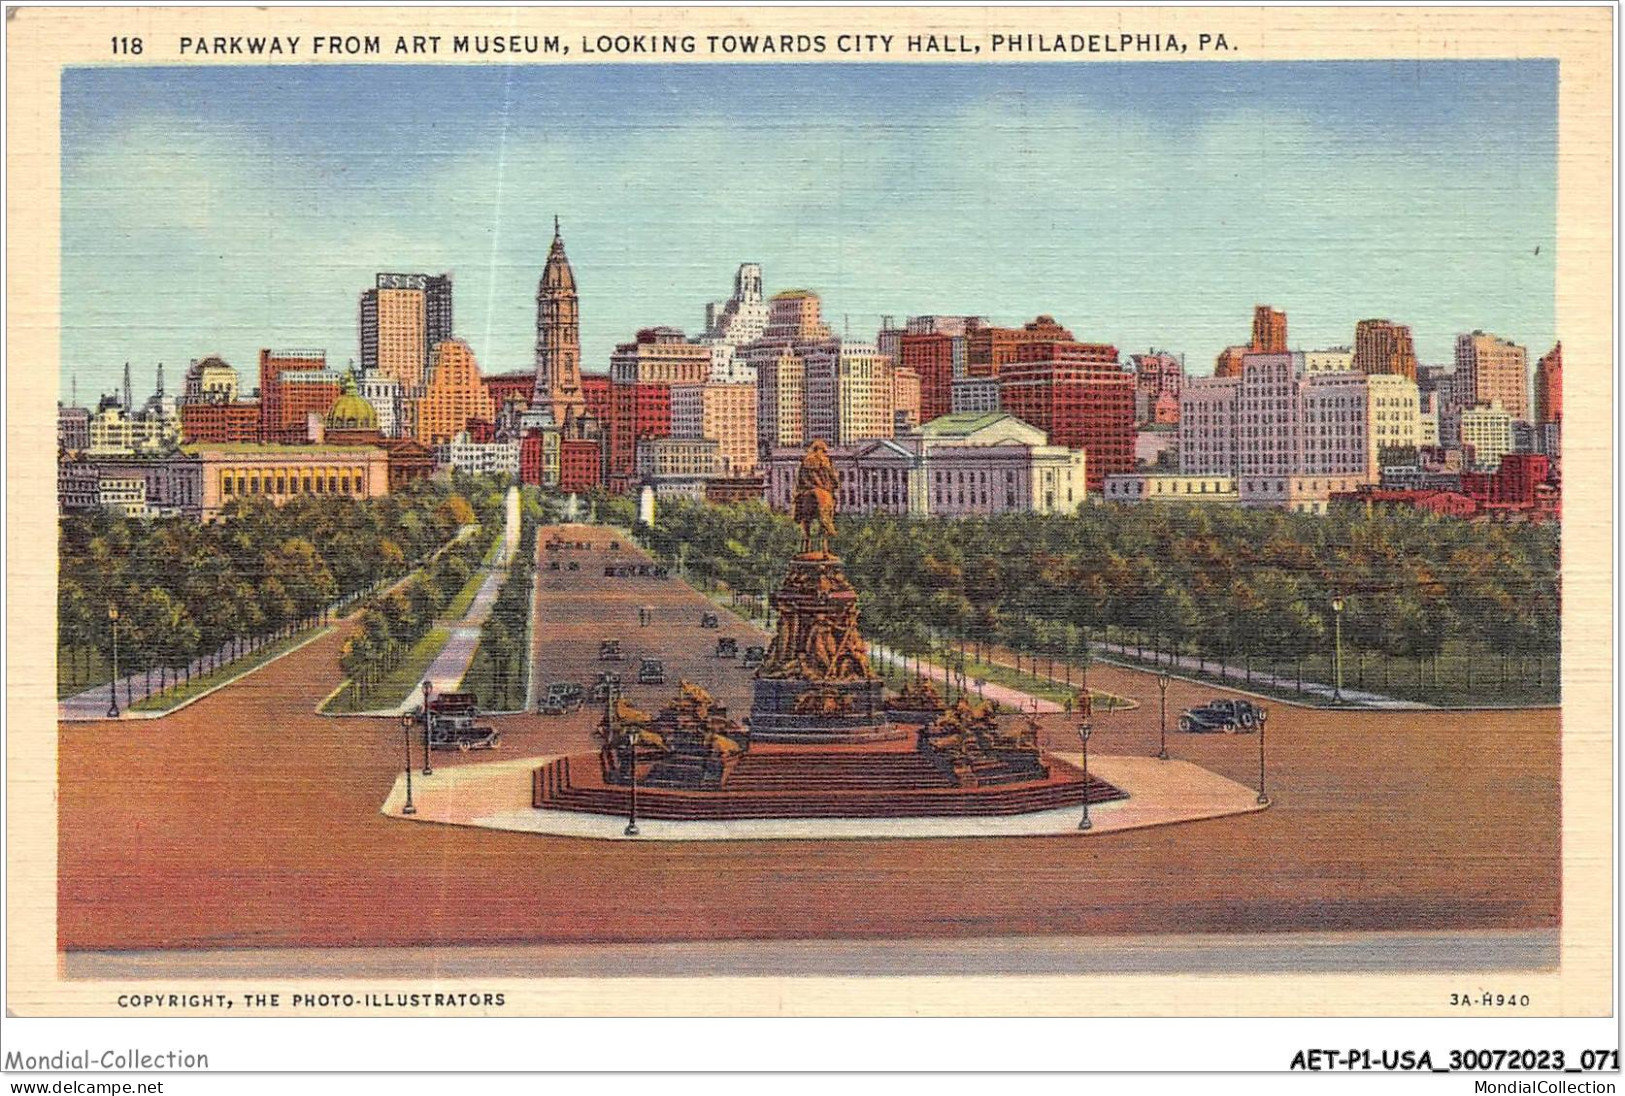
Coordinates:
<point>452,724</point>
<point>607,679</point>
<point>574,566</point>
<point>708,620</point>
<point>754,657</point>
<point>727,647</point>
<point>651,671</point>
<point>1228,716</point>
<point>609,650</point>
<point>562,698</point>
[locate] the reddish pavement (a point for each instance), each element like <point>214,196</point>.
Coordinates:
<point>248,820</point>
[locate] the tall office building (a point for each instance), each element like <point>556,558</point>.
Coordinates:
<point>1494,369</point>
<point>1549,387</point>
<point>1382,346</point>
<point>1079,396</point>
<point>403,318</point>
<point>1268,337</point>
<point>558,336</point>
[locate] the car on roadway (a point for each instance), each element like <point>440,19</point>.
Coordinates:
<point>651,671</point>
<point>754,657</point>
<point>708,620</point>
<point>727,647</point>
<point>1221,716</point>
<point>607,680</point>
<point>609,650</point>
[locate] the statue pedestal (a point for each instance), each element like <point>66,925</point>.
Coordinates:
<point>816,685</point>
<point>787,710</point>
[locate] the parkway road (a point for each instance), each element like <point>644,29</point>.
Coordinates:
<point>246,821</point>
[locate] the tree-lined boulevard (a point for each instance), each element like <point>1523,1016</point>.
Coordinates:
<point>258,826</point>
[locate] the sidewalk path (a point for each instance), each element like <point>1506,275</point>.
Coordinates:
<point>1236,677</point>
<point>91,705</point>
<point>1004,694</point>
<point>446,672</point>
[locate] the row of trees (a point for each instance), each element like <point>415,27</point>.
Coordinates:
<point>191,596</point>
<point>393,621</point>
<point>1242,587</point>
<point>498,672</point>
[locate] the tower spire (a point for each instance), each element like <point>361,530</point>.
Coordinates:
<point>126,387</point>
<point>160,380</point>
<point>555,226</point>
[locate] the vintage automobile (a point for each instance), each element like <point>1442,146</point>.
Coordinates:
<point>662,572</point>
<point>1226,716</point>
<point>607,680</point>
<point>451,718</point>
<point>561,698</point>
<point>708,620</point>
<point>574,565</point>
<point>754,657</point>
<point>727,647</point>
<point>651,671</point>
<point>552,565</point>
<point>609,650</point>
<point>614,546</point>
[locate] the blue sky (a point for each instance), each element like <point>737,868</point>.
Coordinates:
<point>221,209</point>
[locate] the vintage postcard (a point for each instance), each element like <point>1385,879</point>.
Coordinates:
<point>734,512</point>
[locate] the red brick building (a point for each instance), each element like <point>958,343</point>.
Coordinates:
<point>282,415</point>
<point>530,457</point>
<point>638,410</point>
<point>932,357</point>
<point>989,349</point>
<point>518,387</point>
<point>1514,484</point>
<point>1269,337</point>
<point>596,397</point>
<point>1549,386</point>
<point>1079,396</point>
<point>581,464</point>
<point>238,420</point>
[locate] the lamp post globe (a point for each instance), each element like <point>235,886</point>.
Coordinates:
<point>406,738</point>
<point>1085,732</point>
<point>1337,650</point>
<point>112,683</point>
<point>428,768</point>
<point>1162,688</point>
<point>1263,717</point>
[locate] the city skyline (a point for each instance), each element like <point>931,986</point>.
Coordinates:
<point>1414,192</point>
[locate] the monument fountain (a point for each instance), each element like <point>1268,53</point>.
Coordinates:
<point>822,739</point>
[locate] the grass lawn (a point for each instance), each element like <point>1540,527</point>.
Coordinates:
<point>1467,675</point>
<point>406,677</point>
<point>1041,687</point>
<point>457,607</point>
<point>200,683</point>
<point>74,674</point>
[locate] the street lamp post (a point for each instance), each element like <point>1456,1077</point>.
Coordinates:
<point>632,765</point>
<point>112,684</point>
<point>1085,731</point>
<point>1337,650</point>
<point>406,737</point>
<point>1263,717</point>
<point>428,769</point>
<point>1162,687</point>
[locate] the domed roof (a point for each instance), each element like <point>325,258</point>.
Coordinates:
<point>350,411</point>
<point>557,277</point>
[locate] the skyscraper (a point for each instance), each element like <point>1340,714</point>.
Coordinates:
<point>403,318</point>
<point>1269,337</point>
<point>558,335</point>
<point>1382,346</point>
<point>1549,386</point>
<point>1494,369</point>
<point>1269,330</point>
